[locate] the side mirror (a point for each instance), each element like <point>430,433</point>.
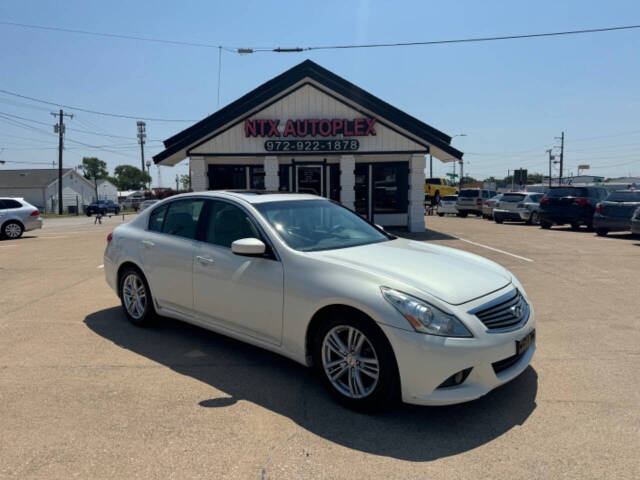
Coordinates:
<point>249,247</point>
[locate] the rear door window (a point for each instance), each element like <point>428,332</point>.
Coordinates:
<point>182,218</point>
<point>10,204</point>
<point>156,218</point>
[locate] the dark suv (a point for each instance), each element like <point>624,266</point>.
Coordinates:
<point>573,205</point>
<point>615,212</point>
<point>103,207</point>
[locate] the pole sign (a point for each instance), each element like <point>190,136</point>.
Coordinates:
<point>301,130</point>
<point>583,167</point>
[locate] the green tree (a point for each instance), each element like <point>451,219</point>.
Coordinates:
<point>185,182</point>
<point>129,177</point>
<point>94,169</point>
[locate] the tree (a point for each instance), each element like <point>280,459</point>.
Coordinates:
<point>185,182</point>
<point>94,169</point>
<point>129,177</point>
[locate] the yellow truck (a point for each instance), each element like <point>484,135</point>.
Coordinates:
<point>435,188</point>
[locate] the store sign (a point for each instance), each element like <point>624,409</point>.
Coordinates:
<point>358,127</point>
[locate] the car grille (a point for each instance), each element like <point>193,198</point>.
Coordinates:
<point>506,313</point>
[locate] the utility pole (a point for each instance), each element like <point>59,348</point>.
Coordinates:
<point>177,183</point>
<point>561,138</point>
<point>550,160</point>
<point>461,172</point>
<point>59,129</point>
<point>142,136</point>
<point>430,166</point>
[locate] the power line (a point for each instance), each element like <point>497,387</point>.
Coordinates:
<point>95,112</point>
<point>246,50</point>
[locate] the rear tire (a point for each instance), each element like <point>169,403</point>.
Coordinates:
<point>441,214</point>
<point>339,350</point>
<point>602,232</point>
<point>534,219</point>
<point>575,226</point>
<point>545,225</point>
<point>462,214</point>
<point>135,297</point>
<point>497,220</point>
<point>12,230</point>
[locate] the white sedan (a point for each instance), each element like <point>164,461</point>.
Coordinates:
<point>381,318</point>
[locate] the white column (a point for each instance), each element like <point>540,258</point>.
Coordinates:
<point>271,179</point>
<point>348,181</point>
<point>198,171</point>
<point>417,164</point>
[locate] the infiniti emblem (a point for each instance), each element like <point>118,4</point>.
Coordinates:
<point>516,310</point>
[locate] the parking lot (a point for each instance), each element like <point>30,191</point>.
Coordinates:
<point>85,394</point>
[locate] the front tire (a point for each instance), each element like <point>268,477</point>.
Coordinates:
<point>545,225</point>
<point>441,214</point>
<point>356,363</point>
<point>135,297</point>
<point>602,232</point>
<point>497,220</point>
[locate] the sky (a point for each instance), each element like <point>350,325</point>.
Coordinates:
<point>509,98</point>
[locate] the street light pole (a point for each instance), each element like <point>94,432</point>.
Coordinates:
<point>142,136</point>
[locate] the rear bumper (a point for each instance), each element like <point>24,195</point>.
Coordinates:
<point>561,219</point>
<point>32,224</point>
<point>469,208</point>
<point>610,223</point>
<point>513,215</point>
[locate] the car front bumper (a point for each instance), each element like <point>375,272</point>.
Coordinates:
<point>426,361</point>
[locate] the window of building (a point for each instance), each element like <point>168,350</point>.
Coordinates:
<point>256,176</point>
<point>334,181</point>
<point>227,177</point>
<point>390,187</point>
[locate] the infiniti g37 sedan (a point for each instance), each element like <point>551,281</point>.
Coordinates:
<point>380,318</point>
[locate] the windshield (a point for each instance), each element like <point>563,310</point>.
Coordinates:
<point>631,196</point>
<point>469,193</point>
<point>312,225</point>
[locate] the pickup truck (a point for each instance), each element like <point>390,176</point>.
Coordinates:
<point>435,188</point>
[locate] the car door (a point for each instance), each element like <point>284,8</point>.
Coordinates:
<point>167,252</point>
<point>244,294</point>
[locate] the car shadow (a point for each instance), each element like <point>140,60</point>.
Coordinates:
<point>248,373</point>
<point>623,236</point>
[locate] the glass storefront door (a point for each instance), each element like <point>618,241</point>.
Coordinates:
<point>309,179</point>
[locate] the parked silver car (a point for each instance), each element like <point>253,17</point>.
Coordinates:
<point>17,217</point>
<point>146,204</point>
<point>518,207</point>
<point>489,204</point>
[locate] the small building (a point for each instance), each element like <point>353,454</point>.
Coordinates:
<point>40,188</point>
<point>107,190</point>
<point>309,130</point>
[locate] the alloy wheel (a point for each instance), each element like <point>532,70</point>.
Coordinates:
<point>13,230</point>
<point>134,295</point>
<point>350,362</point>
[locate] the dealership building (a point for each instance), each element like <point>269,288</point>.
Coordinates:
<point>309,130</point>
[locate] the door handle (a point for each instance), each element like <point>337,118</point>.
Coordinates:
<point>204,260</point>
<point>147,243</point>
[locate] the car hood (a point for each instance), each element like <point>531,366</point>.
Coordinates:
<point>451,275</point>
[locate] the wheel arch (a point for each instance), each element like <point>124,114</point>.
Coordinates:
<point>129,264</point>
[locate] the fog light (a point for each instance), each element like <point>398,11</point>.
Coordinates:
<point>456,379</point>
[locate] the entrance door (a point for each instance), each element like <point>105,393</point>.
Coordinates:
<point>309,179</point>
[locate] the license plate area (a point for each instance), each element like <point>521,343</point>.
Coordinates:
<point>524,343</point>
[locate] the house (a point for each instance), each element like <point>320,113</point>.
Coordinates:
<point>40,188</point>
<point>309,130</point>
<point>107,190</point>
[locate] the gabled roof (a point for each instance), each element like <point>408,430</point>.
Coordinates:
<point>29,177</point>
<point>273,87</point>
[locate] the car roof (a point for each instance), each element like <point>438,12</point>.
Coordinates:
<point>253,196</point>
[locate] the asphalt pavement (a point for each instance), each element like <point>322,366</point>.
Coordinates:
<point>85,394</point>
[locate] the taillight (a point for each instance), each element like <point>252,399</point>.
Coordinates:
<point>598,208</point>
<point>544,200</point>
<point>109,237</point>
<point>478,201</point>
<point>581,201</point>
<point>35,213</point>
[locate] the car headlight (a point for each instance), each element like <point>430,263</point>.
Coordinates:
<point>423,317</point>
